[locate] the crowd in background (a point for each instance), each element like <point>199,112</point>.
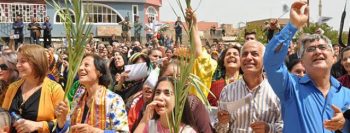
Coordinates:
<point>288,85</point>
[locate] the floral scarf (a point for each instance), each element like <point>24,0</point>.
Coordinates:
<point>96,115</point>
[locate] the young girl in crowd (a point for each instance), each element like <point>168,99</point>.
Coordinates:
<point>155,118</point>
<point>345,62</point>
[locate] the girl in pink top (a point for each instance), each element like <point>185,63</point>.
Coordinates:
<point>162,106</point>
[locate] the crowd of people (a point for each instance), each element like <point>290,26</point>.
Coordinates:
<point>286,86</point>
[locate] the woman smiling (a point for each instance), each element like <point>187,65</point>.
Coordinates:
<point>8,72</point>
<point>34,96</point>
<point>94,108</point>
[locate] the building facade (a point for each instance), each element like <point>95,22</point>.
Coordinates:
<point>104,15</point>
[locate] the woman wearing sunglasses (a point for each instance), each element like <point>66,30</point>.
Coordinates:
<point>8,72</point>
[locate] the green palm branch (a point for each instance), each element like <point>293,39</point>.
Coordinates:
<point>187,79</point>
<point>77,31</point>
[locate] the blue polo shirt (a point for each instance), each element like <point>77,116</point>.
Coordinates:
<point>304,108</point>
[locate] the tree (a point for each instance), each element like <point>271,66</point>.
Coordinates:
<point>260,34</point>
<point>328,31</point>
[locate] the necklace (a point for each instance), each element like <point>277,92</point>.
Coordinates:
<point>26,96</point>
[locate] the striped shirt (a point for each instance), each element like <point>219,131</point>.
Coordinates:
<point>264,106</point>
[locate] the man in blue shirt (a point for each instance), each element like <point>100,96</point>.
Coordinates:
<point>178,31</point>
<point>47,27</point>
<point>312,103</point>
<point>18,30</point>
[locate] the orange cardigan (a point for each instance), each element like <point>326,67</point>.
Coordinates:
<point>51,94</point>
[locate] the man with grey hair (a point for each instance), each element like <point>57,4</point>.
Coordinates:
<point>312,103</point>
<point>262,112</point>
<point>311,38</point>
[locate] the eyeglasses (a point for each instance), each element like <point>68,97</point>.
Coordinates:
<point>166,92</point>
<point>321,47</point>
<point>3,67</point>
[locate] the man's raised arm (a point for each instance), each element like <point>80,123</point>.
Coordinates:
<point>277,49</point>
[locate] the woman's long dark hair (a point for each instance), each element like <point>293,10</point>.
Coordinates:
<point>337,68</point>
<point>101,66</point>
<point>221,61</point>
<point>113,69</point>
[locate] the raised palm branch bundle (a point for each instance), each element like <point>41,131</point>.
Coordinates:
<point>77,31</point>
<point>186,78</point>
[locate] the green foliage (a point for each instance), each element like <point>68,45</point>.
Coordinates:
<point>77,32</point>
<point>186,79</point>
<point>328,31</point>
<point>260,33</point>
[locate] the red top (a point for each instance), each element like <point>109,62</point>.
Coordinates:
<point>216,88</point>
<point>345,80</point>
<point>134,112</point>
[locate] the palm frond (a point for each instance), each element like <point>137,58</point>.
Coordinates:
<point>77,30</point>
<point>195,78</point>
<point>186,80</point>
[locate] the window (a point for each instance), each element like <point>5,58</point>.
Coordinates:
<point>58,18</point>
<point>151,12</point>
<point>2,15</point>
<point>135,12</point>
<point>99,13</point>
<point>9,11</point>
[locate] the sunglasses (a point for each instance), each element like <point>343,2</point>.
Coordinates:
<point>3,67</point>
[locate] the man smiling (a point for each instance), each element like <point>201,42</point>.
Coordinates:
<point>313,103</point>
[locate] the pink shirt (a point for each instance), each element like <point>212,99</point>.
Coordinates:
<point>160,129</point>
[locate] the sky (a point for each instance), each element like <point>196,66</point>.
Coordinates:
<point>237,11</point>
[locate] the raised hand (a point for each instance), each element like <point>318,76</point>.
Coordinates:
<point>191,16</point>
<point>149,112</point>
<point>337,122</point>
<point>122,77</point>
<point>299,13</point>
